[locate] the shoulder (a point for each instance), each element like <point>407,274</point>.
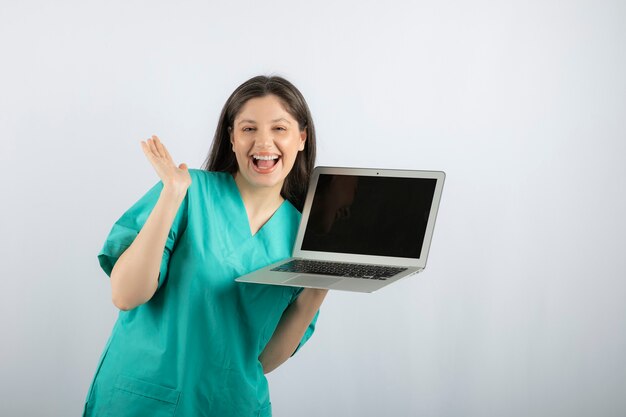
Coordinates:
<point>292,211</point>
<point>291,220</point>
<point>203,178</point>
<point>203,174</point>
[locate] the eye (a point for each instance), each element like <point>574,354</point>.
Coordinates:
<point>245,129</point>
<point>281,128</point>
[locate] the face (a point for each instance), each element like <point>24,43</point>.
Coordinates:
<point>266,141</point>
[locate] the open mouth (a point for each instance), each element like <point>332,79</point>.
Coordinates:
<point>265,162</point>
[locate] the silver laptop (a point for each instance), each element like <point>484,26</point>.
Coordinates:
<point>361,230</point>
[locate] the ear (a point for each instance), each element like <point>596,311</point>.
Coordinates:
<point>231,137</point>
<point>302,139</point>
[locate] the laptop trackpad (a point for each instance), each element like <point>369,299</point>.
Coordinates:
<point>317,281</point>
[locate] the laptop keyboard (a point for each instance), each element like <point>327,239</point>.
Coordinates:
<point>339,269</point>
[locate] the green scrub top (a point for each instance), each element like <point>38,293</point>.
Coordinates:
<point>192,350</point>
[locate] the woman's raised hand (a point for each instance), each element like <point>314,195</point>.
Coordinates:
<point>172,176</point>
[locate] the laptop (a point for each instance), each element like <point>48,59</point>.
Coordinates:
<point>361,229</point>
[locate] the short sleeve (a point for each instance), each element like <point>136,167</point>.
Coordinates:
<point>128,226</point>
<point>309,331</point>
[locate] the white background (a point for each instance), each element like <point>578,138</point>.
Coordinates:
<point>521,310</point>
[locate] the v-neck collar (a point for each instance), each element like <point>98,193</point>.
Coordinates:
<point>244,213</point>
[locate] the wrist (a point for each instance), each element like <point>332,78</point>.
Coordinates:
<point>172,191</point>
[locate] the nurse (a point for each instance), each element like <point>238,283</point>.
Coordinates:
<point>189,340</point>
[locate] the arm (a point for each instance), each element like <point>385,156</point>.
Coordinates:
<point>134,278</point>
<point>291,328</point>
<point>135,275</point>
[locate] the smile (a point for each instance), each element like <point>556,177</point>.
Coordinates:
<point>264,164</point>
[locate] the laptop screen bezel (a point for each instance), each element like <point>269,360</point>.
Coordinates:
<point>370,259</point>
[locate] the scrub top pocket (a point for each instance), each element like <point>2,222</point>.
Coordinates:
<point>136,398</point>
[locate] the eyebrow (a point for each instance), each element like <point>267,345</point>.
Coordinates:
<point>273,121</point>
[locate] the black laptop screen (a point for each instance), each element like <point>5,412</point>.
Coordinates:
<point>382,216</point>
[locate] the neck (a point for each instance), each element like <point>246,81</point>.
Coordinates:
<point>259,199</point>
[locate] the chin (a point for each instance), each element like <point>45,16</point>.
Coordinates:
<point>267,182</point>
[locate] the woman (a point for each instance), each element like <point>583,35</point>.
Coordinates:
<point>189,340</point>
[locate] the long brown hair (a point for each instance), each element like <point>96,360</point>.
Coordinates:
<point>222,158</point>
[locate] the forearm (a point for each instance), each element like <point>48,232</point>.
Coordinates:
<point>134,277</point>
<point>291,328</point>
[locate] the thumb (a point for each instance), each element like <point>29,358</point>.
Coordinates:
<point>183,166</point>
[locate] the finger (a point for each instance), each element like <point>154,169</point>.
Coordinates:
<point>167,153</point>
<point>145,148</point>
<point>153,147</point>
<point>161,148</point>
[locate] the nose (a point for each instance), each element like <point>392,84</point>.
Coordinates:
<point>265,139</point>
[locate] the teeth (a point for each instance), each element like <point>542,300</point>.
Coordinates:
<point>265,158</point>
